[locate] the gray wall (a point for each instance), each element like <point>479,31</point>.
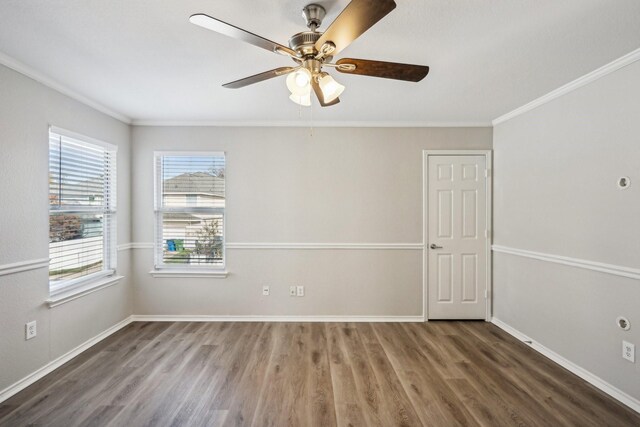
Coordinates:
<point>284,185</point>
<point>26,110</point>
<point>288,185</point>
<point>555,192</point>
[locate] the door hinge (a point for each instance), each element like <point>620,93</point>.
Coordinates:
<point>486,294</point>
<point>486,173</point>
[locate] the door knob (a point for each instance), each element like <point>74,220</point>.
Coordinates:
<point>434,246</point>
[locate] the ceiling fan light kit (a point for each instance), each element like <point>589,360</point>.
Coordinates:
<point>311,50</point>
<point>298,82</point>
<point>303,100</point>
<point>330,88</point>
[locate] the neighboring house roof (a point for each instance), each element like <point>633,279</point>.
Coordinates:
<point>75,191</point>
<point>182,217</point>
<point>194,183</point>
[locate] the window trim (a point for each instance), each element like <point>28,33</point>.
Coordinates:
<point>79,291</point>
<point>70,285</point>
<point>110,238</point>
<point>82,138</point>
<point>177,270</point>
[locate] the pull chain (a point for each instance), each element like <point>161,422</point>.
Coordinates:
<point>311,125</point>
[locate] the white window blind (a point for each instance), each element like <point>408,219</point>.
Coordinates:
<point>190,210</point>
<point>82,209</point>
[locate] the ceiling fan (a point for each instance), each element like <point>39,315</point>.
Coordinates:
<point>312,50</point>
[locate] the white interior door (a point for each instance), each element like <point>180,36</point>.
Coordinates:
<point>457,237</point>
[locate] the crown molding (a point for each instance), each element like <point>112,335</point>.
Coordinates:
<point>24,69</point>
<point>28,71</point>
<point>304,123</point>
<point>615,65</point>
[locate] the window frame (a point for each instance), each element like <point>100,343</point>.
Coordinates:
<point>108,212</point>
<point>160,269</point>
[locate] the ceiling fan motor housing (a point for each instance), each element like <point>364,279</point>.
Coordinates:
<point>304,43</point>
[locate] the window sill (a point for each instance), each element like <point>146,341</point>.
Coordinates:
<point>216,274</point>
<point>66,296</point>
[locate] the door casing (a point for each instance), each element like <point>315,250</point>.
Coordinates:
<point>425,218</point>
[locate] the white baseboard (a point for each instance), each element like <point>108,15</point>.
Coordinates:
<point>54,364</point>
<point>612,391</point>
<point>243,318</point>
<point>592,379</point>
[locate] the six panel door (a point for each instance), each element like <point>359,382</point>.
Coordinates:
<point>457,237</point>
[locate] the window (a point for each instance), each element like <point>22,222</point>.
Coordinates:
<point>82,209</point>
<point>189,206</point>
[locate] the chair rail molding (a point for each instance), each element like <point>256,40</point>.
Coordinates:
<point>617,270</point>
<point>300,246</point>
<point>316,246</point>
<point>19,267</point>
<point>135,245</point>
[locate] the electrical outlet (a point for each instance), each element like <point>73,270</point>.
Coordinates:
<point>30,330</point>
<point>300,291</point>
<point>292,291</point>
<point>629,351</point>
<point>265,291</point>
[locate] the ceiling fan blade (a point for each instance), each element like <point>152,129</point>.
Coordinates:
<point>213,24</point>
<point>316,88</point>
<point>259,77</point>
<point>353,21</point>
<point>387,70</point>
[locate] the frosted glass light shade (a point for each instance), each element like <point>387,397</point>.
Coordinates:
<point>304,100</point>
<point>331,89</point>
<point>298,82</point>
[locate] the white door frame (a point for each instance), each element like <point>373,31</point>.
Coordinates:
<point>425,218</point>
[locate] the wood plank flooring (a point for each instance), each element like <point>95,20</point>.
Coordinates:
<point>312,374</point>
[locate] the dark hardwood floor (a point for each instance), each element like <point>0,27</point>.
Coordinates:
<point>312,374</point>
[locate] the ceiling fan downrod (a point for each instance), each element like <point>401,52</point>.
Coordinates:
<point>313,15</point>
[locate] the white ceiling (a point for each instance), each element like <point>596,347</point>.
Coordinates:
<point>143,59</point>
